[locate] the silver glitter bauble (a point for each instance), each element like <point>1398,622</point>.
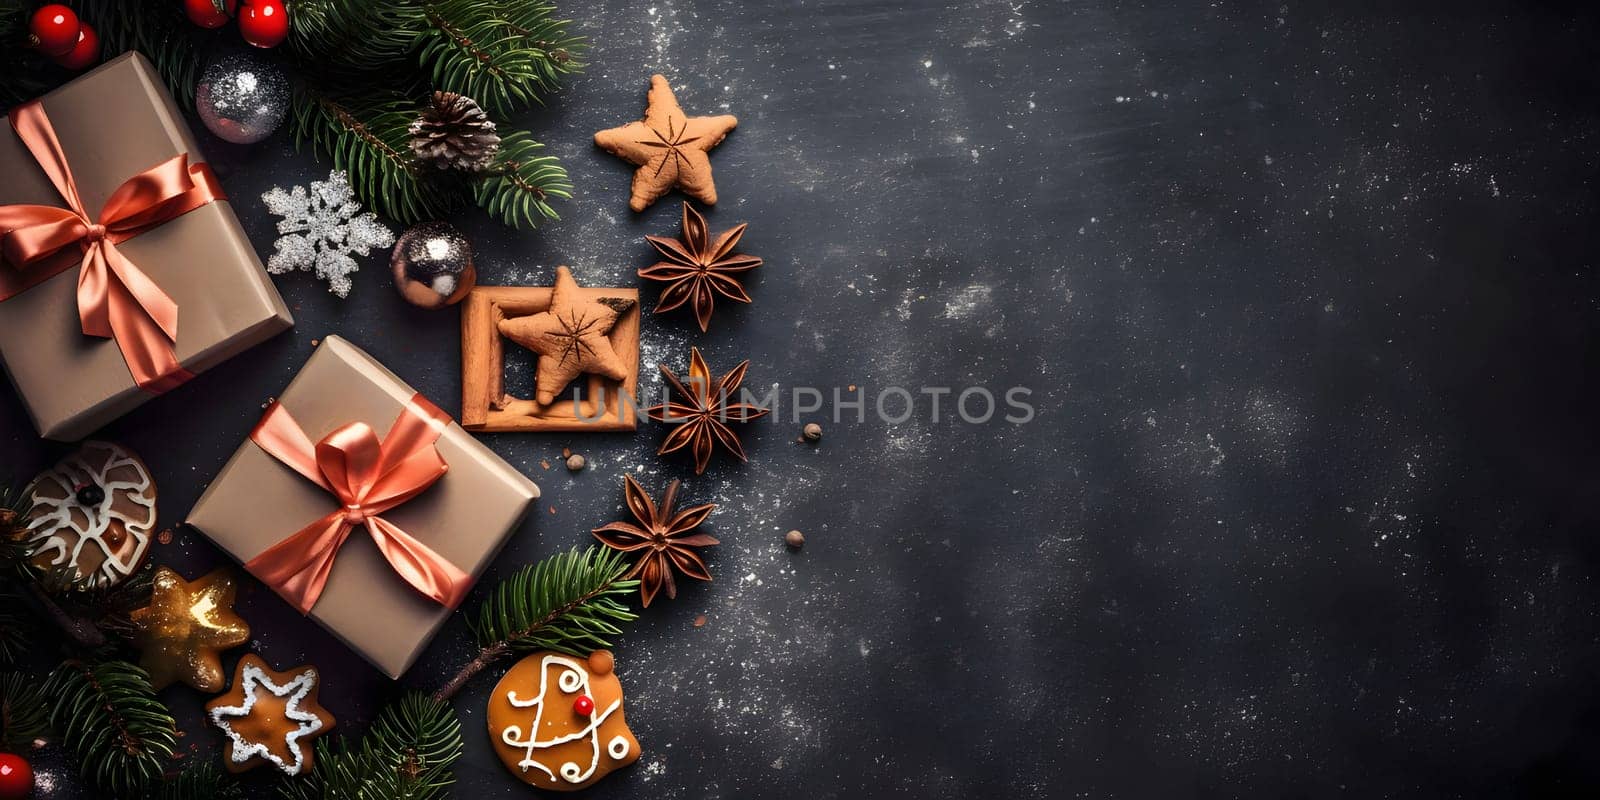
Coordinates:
<point>432,265</point>
<point>242,97</point>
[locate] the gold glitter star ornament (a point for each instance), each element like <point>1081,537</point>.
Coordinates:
<point>182,633</point>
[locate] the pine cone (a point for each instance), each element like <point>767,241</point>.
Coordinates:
<point>454,133</point>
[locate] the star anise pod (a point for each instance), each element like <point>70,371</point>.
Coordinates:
<point>665,537</point>
<point>703,413</point>
<point>696,269</point>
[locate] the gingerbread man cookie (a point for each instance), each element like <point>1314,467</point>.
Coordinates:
<point>92,515</point>
<point>556,720</point>
<point>270,717</point>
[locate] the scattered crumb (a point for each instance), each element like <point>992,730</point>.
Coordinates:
<point>700,621</point>
<point>544,463</point>
<point>165,537</point>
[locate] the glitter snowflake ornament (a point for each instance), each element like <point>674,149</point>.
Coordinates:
<point>323,229</point>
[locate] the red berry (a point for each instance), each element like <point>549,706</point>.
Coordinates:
<point>205,14</point>
<point>583,706</point>
<point>16,777</point>
<point>85,53</point>
<point>264,23</point>
<point>53,29</point>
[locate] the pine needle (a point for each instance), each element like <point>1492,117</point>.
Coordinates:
<point>24,714</point>
<point>109,717</point>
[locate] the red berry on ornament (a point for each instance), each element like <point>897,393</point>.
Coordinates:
<point>206,14</point>
<point>53,29</point>
<point>16,777</point>
<point>583,706</point>
<point>85,53</point>
<point>264,23</point>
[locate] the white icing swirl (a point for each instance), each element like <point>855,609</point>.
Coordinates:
<point>573,679</point>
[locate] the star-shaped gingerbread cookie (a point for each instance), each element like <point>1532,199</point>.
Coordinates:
<point>669,148</point>
<point>184,630</point>
<point>270,717</point>
<point>570,338</point>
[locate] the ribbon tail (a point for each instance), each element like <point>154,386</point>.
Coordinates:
<point>297,568</point>
<point>143,320</point>
<point>426,571</point>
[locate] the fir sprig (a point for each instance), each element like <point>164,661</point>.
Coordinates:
<point>110,718</point>
<point>518,188</point>
<point>157,29</point>
<point>407,753</point>
<point>367,137</point>
<point>201,781</point>
<point>16,628</point>
<point>502,54</point>
<point>24,713</point>
<point>358,35</point>
<point>569,602</point>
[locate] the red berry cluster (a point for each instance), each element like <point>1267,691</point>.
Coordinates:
<point>263,23</point>
<point>58,33</point>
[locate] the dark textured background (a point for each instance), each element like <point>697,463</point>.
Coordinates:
<point>1304,294</point>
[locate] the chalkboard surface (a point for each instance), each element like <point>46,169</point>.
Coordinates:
<point>1303,297</point>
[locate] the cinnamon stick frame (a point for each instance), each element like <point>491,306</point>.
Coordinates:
<point>485,407</point>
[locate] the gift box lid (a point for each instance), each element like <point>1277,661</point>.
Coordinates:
<point>257,501</point>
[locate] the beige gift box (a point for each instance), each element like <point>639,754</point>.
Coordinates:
<point>257,501</point>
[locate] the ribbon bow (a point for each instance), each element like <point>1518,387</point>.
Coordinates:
<point>368,477</point>
<point>116,299</point>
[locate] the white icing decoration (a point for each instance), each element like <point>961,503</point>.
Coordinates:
<point>618,747</point>
<point>579,682</point>
<point>296,690</point>
<point>45,530</point>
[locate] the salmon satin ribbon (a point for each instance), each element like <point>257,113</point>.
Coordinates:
<point>116,299</point>
<point>368,477</point>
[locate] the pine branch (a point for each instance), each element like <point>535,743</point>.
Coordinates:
<point>407,753</point>
<point>159,30</point>
<point>16,630</point>
<point>24,714</point>
<point>359,35</point>
<point>109,717</point>
<point>503,54</point>
<point>14,547</point>
<point>568,603</point>
<point>368,138</point>
<point>517,189</point>
<point>201,781</point>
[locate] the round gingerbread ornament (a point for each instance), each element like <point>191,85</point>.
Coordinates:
<point>92,515</point>
<point>556,720</point>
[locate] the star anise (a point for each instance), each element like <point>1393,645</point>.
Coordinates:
<point>704,411</point>
<point>697,270</point>
<point>665,537</point>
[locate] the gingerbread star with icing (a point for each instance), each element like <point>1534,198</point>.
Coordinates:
<point>270,717</point>
<point>669,147</point>
<point>570,338</point>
